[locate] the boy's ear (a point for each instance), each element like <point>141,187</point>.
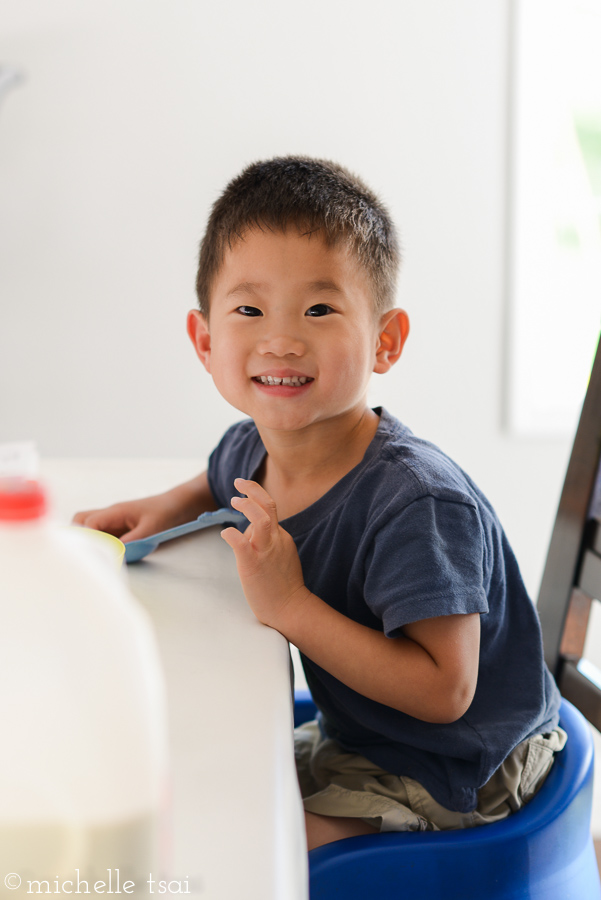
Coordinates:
<point>198,332</point>
<point>393,331</point>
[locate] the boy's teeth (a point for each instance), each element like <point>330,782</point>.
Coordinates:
<point>295,380</point>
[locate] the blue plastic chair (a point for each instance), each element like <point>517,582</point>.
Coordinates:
<point>543,852</point>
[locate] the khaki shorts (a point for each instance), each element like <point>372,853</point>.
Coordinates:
<point>334,782</point>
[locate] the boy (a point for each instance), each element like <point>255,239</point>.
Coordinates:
<point>366,547</point>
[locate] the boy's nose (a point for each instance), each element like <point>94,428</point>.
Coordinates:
<point>281,344</point>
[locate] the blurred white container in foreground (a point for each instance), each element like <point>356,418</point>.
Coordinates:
<point>83,759</point>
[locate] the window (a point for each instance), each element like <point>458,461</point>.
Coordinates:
<point>555,222</point>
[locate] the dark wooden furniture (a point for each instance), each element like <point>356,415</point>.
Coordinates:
<point>571,580</point>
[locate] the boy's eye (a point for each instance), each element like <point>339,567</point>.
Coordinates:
<point>249,311</point>
<point>320,309</point>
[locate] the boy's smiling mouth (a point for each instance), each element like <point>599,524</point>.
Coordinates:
<point>287,380</point>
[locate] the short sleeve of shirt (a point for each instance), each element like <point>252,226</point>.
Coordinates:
<point>235,456</point>
<point>427,561</point>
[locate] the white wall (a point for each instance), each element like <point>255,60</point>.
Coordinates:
<point>134,115</point>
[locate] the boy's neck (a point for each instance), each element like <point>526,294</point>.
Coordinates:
<point>301,466</point>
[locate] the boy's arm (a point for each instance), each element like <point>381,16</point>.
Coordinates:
<point>136,519</point>
<point>429,673</point>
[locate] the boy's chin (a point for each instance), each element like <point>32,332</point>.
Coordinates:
<point>280,421</point>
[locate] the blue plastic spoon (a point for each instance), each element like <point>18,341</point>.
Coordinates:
<point>137,550</point>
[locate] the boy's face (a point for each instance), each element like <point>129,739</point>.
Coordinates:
<point>286,306</point>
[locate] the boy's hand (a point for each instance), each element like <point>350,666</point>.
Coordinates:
<point>266,557</point>
<point>137,519</point>
<point>128,521</point>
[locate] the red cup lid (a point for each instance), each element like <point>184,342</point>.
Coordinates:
<point>21,499</point>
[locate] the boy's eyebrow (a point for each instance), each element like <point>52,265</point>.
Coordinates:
<point>315,287</point>
<point>245,287</point>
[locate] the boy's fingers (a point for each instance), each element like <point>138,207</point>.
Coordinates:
<point>257,493</point>
<point>140,531</point>
<point>113,522</point>
<point>88,520</point>
<point>258,517</point>
<point>103,523</point>
<point>238,543</point>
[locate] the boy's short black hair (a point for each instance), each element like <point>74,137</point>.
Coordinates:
<point>315,195</point>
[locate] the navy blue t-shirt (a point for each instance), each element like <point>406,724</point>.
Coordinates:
<point>406,535</point>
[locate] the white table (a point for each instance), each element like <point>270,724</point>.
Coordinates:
<point>237,819</point>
